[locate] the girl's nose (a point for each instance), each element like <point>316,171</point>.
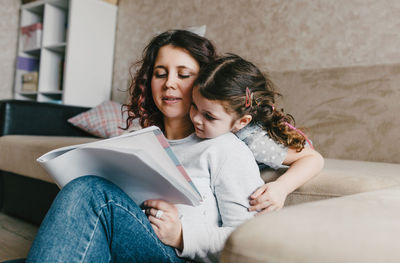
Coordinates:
<point>195,117</point>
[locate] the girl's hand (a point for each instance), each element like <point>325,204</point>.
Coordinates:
<point>267,198</point>
<point>167,227</point>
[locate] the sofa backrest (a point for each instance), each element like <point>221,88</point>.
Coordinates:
<point>349,113</point>
<point>20,117</point>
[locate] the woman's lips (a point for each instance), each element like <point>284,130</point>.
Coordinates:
<point>171,99</point>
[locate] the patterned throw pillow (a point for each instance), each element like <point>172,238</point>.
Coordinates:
<point>103,120</point>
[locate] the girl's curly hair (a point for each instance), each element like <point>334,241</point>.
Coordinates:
<point>229,78</point>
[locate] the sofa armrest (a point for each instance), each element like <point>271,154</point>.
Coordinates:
<point>341,178</point>
<point>33,118</point>
<point>356,228</point>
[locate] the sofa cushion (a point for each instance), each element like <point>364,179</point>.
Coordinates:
<point>356,228</point>
<point>340,178</point>
<point>105,120</point>
<point>18,153</point>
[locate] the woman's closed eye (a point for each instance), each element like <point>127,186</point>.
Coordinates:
<point>160,74</point>
<point>164,75</point>
<point>184,76</point>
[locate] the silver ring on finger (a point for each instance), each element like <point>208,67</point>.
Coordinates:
<point>159,214</point>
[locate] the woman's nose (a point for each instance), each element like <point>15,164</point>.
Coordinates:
<point>171,82</point>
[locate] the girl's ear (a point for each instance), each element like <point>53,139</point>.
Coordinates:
<point>241,122</point>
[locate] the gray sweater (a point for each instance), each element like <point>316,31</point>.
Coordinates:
<point>226,174</point>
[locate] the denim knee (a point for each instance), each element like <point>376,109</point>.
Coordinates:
<point>88,183</point>
<point>85,188</point>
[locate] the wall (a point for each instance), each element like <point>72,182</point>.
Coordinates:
<point>277,35</point>
<point>336,63</point>
<point>9,19</point>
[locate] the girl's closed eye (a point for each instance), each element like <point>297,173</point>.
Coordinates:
<point>209,117</point>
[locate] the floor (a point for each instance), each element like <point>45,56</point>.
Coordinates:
<point>16,237</point>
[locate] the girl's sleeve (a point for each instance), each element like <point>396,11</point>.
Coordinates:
<point>263,147</point>
<point>237,179</point>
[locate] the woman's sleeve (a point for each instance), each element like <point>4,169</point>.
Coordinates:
<point>263,147</point>
<point>202,242</point>
<point>236,180</point>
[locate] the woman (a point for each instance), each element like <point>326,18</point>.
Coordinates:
<point>92,220</point>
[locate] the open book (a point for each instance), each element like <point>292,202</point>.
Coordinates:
<point>141,163</point>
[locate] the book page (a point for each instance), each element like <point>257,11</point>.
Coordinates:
<point>136,162</point>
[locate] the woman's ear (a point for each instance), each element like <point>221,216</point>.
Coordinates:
<point>241,122</point>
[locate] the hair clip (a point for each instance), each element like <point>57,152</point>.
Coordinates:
<point>248,98</point>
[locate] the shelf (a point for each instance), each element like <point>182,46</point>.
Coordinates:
<point>50,97</point>
<point>33,51</point>
<point>72,51</point>
<point>51,70</point>
<point>59,48</point>
<point>40,3</point>
<point>32,15</point>
<point>28,93</point>
<point>52,93</point>
<point>35,9</point>
<point>54,25</point>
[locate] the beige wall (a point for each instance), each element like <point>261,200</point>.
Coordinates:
<point>9,18</point>
<point>337,63</point>
<point>276,35</point>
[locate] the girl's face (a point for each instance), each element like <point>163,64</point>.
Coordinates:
<point>175,70</point>
<point>210,118</point>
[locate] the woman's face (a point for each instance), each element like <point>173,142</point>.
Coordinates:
<point>175,70</point>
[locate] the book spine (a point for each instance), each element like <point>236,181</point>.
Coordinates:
<point>164,143</point>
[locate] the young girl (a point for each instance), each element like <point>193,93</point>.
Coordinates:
<point>232,95</point>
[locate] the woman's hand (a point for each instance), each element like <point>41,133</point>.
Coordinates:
<point>168,226</point>
<point>267,198</point>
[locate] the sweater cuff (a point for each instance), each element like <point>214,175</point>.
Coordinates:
<point>190,232</point>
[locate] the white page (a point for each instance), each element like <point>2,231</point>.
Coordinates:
<point>120,160</point>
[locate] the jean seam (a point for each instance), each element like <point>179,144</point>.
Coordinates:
<point>145,227</point>
<point>94,230</point>
<point>137,219</point>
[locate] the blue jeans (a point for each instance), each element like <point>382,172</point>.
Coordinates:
<point>92,220</point>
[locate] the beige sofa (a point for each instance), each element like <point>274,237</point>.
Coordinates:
<point>28,130</point>
<point>348,213</point>
<point>352,114</point>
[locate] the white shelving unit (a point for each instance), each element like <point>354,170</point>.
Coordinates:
<point>75,57</point>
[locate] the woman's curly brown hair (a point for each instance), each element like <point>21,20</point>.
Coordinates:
<point>227,79</point>
<point>141,104</point>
